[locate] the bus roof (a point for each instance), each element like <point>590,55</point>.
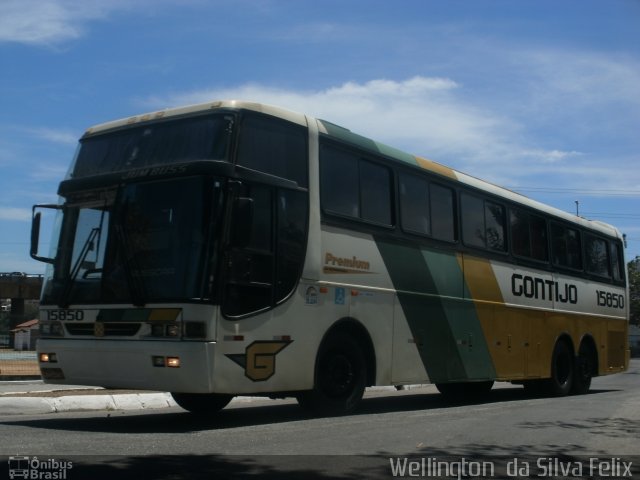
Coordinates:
<point>347,136</point>
<point>194,110</point>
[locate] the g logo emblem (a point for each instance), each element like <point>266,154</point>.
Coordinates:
<point>259,359</point>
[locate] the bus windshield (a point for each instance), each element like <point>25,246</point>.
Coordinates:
<point>150,242</point>
<point>161,143</point>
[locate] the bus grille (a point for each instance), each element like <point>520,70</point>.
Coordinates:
<point>113,329</point>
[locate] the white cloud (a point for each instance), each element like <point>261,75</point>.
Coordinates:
<point>50,22</point>
<point>37,21</point>
<point>422,115</point>
<point>15,214</point>
<point>47,172</point>
<point>550,156</point>
<point>419,111</point>
<point>589,78</point>
<point>62,137</point>
<point>527,141</point>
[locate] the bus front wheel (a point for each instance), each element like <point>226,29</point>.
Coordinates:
<point>202,403</point>
<point>340,377</point>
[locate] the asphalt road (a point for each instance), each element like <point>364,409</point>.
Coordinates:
<point>275,437</point>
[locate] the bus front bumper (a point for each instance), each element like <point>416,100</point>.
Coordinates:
<point>149,365</point>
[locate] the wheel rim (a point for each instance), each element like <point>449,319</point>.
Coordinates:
<point>338,375</point>
<point>563,368</point>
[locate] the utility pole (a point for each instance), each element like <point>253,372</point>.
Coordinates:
<point>577,208</point>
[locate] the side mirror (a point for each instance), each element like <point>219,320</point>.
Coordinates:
<point>36,221</point>
<point>242,222</point>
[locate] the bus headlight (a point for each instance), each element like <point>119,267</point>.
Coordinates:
<point>171,330</point>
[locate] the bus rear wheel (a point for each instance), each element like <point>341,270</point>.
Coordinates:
<point>202,403</point>
<point>562,371</point>
<point>340,377</point>
<point>585,364</point>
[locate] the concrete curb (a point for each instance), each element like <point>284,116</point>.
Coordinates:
<point>78,403</point>
<point>10,405</point>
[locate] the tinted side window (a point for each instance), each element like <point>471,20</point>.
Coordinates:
<point>519,233</point>
<point>274,146</point>
<point>414,204</point>
<point>529,235</point>
<point>249,264</point>
<point>375,193</point>
<point>495,226</point>
<point>566,247</point>
<point>292,226</point>
<point>482,223</point>
<point>266,255</point>
<point>617,262</point>
<point>261,231</point>
<point>339,177</point>
<point>472,209</point>
<point>443,219</point>
<point>353,187</point>
<point>539,244</point>
<point>597,260</point>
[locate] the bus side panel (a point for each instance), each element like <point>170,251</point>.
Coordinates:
<point>618,350</point>
<point>524,312</point>
<point>275,351</point>
<point>407,366</point>
<point>445,328</point>
<point>375,309</point>
<point>504,333</point>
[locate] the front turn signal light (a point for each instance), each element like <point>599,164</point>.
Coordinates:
<point>48,358</point>
<point>173,362</point>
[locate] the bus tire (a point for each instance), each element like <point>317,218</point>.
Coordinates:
<point>202,403</point>
<point>340,377</point>
<point>585,365</point>
<point>562,371</point>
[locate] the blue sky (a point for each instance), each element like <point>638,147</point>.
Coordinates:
<point>541,96</point>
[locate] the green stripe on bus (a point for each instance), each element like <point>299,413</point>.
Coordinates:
<point>461,314</point>
<point>366,143</point>
<point>431,291</point>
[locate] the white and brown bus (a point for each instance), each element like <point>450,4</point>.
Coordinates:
<point>234,248</point>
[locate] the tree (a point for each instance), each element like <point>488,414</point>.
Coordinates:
<point>634,291</point>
